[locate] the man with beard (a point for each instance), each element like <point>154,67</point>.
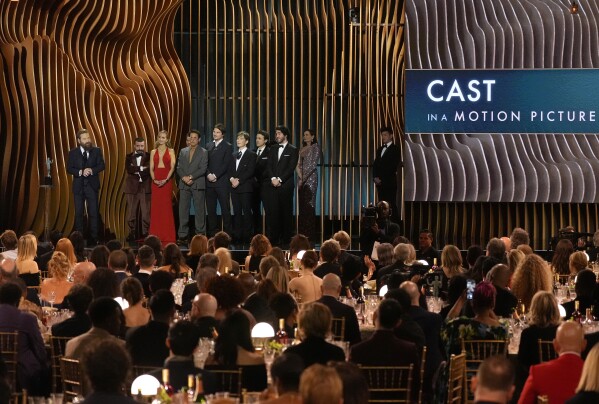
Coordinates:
<point>85,163</point>
<point>138,188</point>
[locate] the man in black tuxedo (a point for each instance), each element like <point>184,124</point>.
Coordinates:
<point>282,161</point>
<point>384,170</point>
<point>85,163</point>
<point>220,154</point>
<point>262,181</point>
<point>331,290</point>
<point>242,188</point>
<point>138,189</point>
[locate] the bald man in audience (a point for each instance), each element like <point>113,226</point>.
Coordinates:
<point>7,270</point>
<point>494,381</point>
<point>82,271</point>
<point>507,242</point>
<point>431,325</point>
<point>558,378</point>
<point>203,312</point>
<point>331,289</point>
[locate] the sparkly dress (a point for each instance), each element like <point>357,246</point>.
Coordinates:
<point>309,157</point>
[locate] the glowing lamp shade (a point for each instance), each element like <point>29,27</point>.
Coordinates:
<point>263,330</point>
<point>383,291</point>
<point>122,302</point>
<point>147,384</point>
<point>562,311</point>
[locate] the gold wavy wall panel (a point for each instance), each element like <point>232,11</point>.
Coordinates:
<point>304,65</point>
<point>109,66</point>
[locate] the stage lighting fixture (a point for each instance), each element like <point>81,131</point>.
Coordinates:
<point>574,7</point>
<point>354,15</point>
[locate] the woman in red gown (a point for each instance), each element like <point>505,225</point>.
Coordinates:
<point>162,167</point>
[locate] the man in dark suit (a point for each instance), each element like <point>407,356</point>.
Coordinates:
<point>85,163</point>
<point>259,173</point>
<point>329,252</point>
<point>331,288</point>
<point>384,170</point>
<point>182,340</point>
<point>138,188</point>
<point>384,349</point>
<point>242,188</point>
<point>78,299</point>
<point>220,154</point>
<point>282,161</point>
<point>191,170</point>
<point>146,260</point>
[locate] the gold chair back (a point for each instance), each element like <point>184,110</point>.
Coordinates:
<point>228,379</point>
<point>546,351</point>
<point>338,328</point>
<point>57,349</point>
<point>9,346</point>
<point>476,351</point>
<point>19,398</point>
<point>422,367</point>
<point>389,384</point>
<point>72,378</point>
<point>457,373</point>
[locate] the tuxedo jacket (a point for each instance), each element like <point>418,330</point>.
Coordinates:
<point>196,168</point>
<point>262,166</point>
<point>95,161</point>
<point>385,166</point>
<point>283,168</point>
<point>132,183</point>
<point>219,163</point>
<point>244,172</point>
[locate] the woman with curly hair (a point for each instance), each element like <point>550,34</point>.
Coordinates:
<point>65,246</point>
<point>531,276</point>
<point>228,292</point>
<point>561,257</point>
<point>259,248</point>
<point>58,268</point>
<point>173,261</point>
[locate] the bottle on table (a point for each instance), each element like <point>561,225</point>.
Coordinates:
<point>199,396</point>
<point>577,315</point>
<point>166,385</point>
<point>281,336</point>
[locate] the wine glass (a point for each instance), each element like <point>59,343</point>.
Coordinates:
<point>52,298</point>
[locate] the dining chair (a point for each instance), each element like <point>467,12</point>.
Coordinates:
<point>477,351</point>
<point>338,328</point>
<point>422,367</point>
<point>546,350</point>
<point>9,346</point>
<point>227,379</point>
<point>72,378</point>
<point>57,349</point>
<point>389,384</point>
<point>457,373</point>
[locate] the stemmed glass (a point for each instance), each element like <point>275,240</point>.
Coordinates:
<point>52,298</point>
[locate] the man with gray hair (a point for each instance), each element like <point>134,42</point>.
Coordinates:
<point>203,310</point>
<point>518,237</point>
<point>331,289</point>
<point>494,381</point>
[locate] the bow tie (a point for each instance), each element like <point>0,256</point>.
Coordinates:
<point>282,146</point>
<point>384,146</point>
<point>139,154</point>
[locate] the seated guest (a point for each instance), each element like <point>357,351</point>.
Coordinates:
<point>117,261</point>
<point>351,277</point>
<point>197,247</point>
<point>344,241</point>
<point>136,314</point>
<point>105,314</point>
<point>588,386</point>
<point>284,306</point>
<point>160,280</point>
<point>146,261</point>
<point>331,288</point>
<point>206,270</point>
<point>259,248</point>
<point>26,250</point>
<point>577,262</point>
<point>384,349</point>
<point>78,300</point>
<point>173,262</point>
<point>226,264</point>
<point>78,242</point>
<point>228,293</point>
<point>107,365</point>
<point>114,245</point>
<point>474,251</point>
<point>279,277</point>
<point>257,302</point>
<point>407,329</point>
<point>355,386</point>
<point>321,385</point>
<point>266,264</point>
<point>494,381</point>
<point>31,353</point>
<point>234,348</point>
<point>314,326</point>
<point>586,287</point>
<point>286,371</point>
<point>558,378</point>
<point>484,325</point>
<point>455,290</point>
<point>104,282</point>
<point>182,340</point>
<point>82,271</point>
<point>203,310</point>
<point>146,343</point>
<point>306,288</point>
<point>9,241</point>
<point>28,306</point>
<point>401,253</point>
<point>329,253</point>
<point>8,270</point>
<point>543,319</point>
<point>505,302</point>
<point>58,269</point>
<point>99,256</point>
<point>426,250</point>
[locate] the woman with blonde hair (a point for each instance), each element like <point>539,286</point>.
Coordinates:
<point>514,258</point>
<point>278,275</point>
<point>26,252</point>
<point>588,386</point>
<point>451,261</point>
<point>531,276</point>
<point>57,284</point>
<point>225,262</point>
<point>65,246</point>
<point>578,261</point>
<point>543,320</point>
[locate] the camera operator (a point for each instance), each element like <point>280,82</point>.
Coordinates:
<point>377,226</point>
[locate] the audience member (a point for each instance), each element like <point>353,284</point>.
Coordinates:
<point>306,288</point>
<point>279,277</point>
<point>588,386</point>
<point>284,306</point>
<point>560,263</point>
<point>557,379</point>
<point>173,262</point>
<point>146,343</point>
<point>197,247</point>
<point>505,301</point>
<point>104,282</point>
<point>57,284</point>
<point>329,253</point>
<point>105,314</point>
<point>474,251</point>
<point>494,381</point>
<point>426,250</point>
<point>578,261</point>
<point>286,371</point>
<point>407,329</point>
<point>355,386</point>
<point>160,280</point>
<point>259,248</point>
<point>586,290</point>
<point>228,293</point>
<point>114,245</point>
<point>9,241</point>
<point>78,300</point>
<point>266,264</point>
<point>531,276</point>
<point>155,244</point>
<point>99,256</point>
<point>42,260</point>
<point>146,262</point>
<point>331,288</point>
<point>321,385</point>
<point>203,312</point>
<point>257,302</point>
<point>117,261</point>
<point>136,314</point>
<point>519,237</point>
<point>78,242</point>
<point>206,270</point>
<point>82,271</point>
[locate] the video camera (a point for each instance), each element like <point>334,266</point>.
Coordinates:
<point>369,215</point>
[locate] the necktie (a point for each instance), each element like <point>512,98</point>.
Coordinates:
<point>238,155</point>
<point>85,159</point>
<point>259,152</point>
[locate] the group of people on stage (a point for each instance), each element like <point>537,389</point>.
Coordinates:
<point>206,178</point>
